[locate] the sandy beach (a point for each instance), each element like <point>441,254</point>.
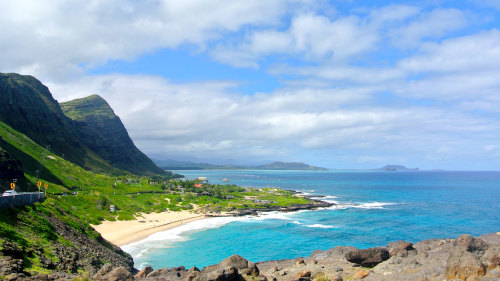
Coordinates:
<point>125,232</point>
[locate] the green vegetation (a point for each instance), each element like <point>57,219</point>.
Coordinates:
<point>89,164</point>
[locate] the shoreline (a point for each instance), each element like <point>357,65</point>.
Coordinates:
<point>123,233</point>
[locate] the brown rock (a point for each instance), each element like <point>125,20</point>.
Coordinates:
<point>192,273</point>
<point>464,265</point>
<point>470,244</point>
<point>491,258</point>
<point>105,269</point>
<point>360,274</point>
<point>144,272</point>
<point>368,257</point>
<point>242,265</point>
<point>400,248</point>
<point>303,273</point>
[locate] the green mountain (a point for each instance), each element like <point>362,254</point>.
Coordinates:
<point>93,138</point>
<point>103,132</point>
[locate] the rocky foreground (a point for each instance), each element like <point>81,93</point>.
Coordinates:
<point>465,258</point>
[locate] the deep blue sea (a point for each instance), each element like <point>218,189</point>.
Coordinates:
<point>374,208</point>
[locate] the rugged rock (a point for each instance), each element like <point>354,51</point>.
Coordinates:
<point>243,266</point>
<point>192,274</point>
<point>368,257</point>
<point>215,273</point>
<point>144,272</point>
<point>400,248</point>
<point>464,262</point>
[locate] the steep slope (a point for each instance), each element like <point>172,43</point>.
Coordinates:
<point>28,107</point>
<point>103,132</point>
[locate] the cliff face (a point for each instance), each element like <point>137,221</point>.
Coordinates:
<point>29,108</point>
<point>92,136</point>
<point>103,132</point>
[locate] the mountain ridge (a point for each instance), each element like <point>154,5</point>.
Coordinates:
<point>170,164</point>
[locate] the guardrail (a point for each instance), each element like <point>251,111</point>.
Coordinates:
<point>21,199</point>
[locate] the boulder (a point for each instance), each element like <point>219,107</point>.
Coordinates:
<point>144,272</point>
<point>192,273</point>
<point>243,266</point>
<point>400,248</point>
<point>159,272</point>
<point>215,273</point>
<point>105,269</point>
<point>491,258</point>
<point>119,274</point>
<point>470,244</point>
<point>108,273</point>
<point>464,265</point>
<point>368,257</point>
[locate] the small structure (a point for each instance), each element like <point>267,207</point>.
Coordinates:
<point>112,208</point>
<point>202,178</point>
<point>199,185</point>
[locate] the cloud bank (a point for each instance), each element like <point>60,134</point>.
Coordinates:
<point>358,87</point>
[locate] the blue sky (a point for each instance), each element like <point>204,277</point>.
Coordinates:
<point>339,84</point>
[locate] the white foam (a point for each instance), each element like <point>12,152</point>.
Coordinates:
<point>297,222</point>
<point>165,239</point>
<point>318,225</point>
<point>373,205</point>
<point>330,197</point>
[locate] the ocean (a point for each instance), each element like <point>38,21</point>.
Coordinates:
<point>373,208</point>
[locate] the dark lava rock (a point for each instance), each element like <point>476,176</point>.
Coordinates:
<point>368,257</point>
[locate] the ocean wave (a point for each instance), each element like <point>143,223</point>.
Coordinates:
<point>373,205</point>
<point>318,225</point>
<point>164,239</point>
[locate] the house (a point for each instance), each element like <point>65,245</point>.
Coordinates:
<point>198,185</point>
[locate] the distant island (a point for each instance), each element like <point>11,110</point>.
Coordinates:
<point>276,165</point>
<point>396,168</point>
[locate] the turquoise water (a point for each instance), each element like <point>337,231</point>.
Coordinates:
<point>373,209</point>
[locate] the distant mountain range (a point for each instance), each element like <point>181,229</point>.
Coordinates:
<point>396,168</point>
<point>277,165</point>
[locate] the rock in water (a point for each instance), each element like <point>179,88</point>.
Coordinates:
<point>368,257</point>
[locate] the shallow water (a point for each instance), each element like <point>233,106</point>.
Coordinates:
<point>373,209</point>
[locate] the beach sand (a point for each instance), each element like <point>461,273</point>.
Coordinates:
<point>125,232</point>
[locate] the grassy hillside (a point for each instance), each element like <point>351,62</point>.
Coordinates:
<point>102,131</point>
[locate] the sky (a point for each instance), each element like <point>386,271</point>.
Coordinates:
<point>337,84</point>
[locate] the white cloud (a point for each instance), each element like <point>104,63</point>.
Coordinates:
<point>432,25</point>
<point>206,119</point>
<point>311,36</point>
<point>55,40</point>
<point>469,53</point>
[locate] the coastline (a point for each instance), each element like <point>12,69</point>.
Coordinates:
<point>123,233</point>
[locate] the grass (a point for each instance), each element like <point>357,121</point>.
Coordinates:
<point>79,198</point>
